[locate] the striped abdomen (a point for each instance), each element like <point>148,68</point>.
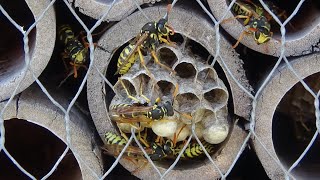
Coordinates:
<point>72,46</point>
<point>124,61</point>
<point>194,150</point>
<point>65,34</point>
<point>111,138</point>
<point>242,9</point>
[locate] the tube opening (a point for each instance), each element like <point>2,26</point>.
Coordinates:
<point>36,149</point>
<point>11,45</point>
<point>294,126</point>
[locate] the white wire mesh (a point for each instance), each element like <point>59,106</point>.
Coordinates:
<point>216,22</point>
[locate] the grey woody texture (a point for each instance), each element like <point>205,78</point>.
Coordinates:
<point>33,106</point>
<point>282,81</point>
<point>41,48</point>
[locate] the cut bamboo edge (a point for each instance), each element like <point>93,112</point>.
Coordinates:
<point>198,28</point>
<point>299,41</point>
<point>33,108</point>
<point>120,9</point>
<point>41,43</point>
<point>281,82</point>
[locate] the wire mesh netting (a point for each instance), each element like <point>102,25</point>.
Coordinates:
<point>214,101</point>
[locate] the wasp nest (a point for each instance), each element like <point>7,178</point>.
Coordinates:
<point>194,89</point>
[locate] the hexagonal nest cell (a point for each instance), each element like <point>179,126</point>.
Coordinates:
<point>194,91</point>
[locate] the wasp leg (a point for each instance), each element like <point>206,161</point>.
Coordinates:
<point>75,69</point>
<point>142,139</point>
<point>157,101</point>
<point>142,62</point>
<point>240,38</point>
<point>65,79</point>
<point>123,135</point>
<point>127,91</point>
<point>175,137</point>
<point>145,133</point>
<point>144,142</point>
<point>142,95</point>
<point>64,57</point>
<point>168,41</point>
<point>176,91</point>
<point>169,7</point>
<point>172,32</point>
<point>246,21</point>
<point>130,159</point>
<point>141,167</point>
<point>156,60</point>
<point>84,42</point>
<point>160,140</point>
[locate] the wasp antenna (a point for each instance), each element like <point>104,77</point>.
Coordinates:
<point>169,7</point>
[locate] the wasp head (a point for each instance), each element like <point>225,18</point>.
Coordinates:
<point>158,153</point>
<point>168,147</point>
<point>262,28</point>
<point>169,108</point>
<point>80,57</point>
<point>163,27</point>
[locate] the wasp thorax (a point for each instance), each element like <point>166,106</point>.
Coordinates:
<point>149,27</point>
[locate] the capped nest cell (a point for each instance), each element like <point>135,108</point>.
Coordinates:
<point>301,33</point>
<point>286,120</point>
<point>41,40</point>
<point>201,92</point>
<point>35,136</point>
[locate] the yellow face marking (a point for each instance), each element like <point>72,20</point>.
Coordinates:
<point>263,38</point>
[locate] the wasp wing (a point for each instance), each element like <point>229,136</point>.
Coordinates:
<point>115,150</point>
<point>131,110</point>
<point>120,119</point>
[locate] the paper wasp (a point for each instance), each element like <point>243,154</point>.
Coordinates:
<point>131,114</point>
<point>155,112</point>
<point>114,144</point>
<point>257,24</point>
<point>149,38</point>
<point>280,13</point>
<point>74,50</point>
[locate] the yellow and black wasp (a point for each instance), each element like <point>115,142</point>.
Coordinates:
<point>193,150</point>
<point>74,50</point>
<point>275,9</point>
<point>128,111</point>
<point>114,144</point>
<point>138,113</point>
<point>255,21</point>
<point>149,38</point>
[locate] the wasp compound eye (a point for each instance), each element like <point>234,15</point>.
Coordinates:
<point>156,113</point>
<point>257,35</point>
<point>169,108</point>
<point>161,26</point>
